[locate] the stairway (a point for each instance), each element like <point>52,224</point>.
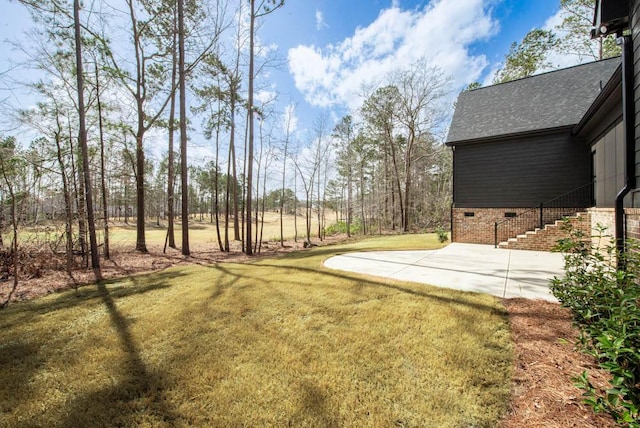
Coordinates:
<point>546,238</point>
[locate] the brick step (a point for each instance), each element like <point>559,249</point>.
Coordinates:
<point>546,238</point>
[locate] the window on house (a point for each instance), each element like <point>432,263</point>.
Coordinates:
<point>469,214</point>
<point>509,214</point>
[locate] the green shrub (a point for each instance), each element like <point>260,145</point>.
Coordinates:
<point>341,227</point>
<point>605,302</point>
<point>442,234</point>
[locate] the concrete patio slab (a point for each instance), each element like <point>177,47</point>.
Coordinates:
<point>468,267</point>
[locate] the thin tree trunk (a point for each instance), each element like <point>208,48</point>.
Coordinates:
<point>79,200</point>
<point>264,192</point>
<point>171,155</point>
<point>216,207</point>
<point>14,241</point>
<point>183,132</point>
<point>284,168</point>
<point>362,204</point>
<point>295,207</point>
<point>95,260</point>
<point>141,242</point>
<point>1,220</point>
<point>249,155</point>
<point>67,208</point>
<point>232,159</point>
<point>103,180</point>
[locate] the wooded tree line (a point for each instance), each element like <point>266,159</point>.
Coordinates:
<point>152,71</point>
<point>394,174</point>
<point>113,75</point>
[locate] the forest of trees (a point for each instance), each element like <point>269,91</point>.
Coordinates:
<point>110,143</point>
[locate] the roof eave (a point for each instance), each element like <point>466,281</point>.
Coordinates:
<point>511,136</point>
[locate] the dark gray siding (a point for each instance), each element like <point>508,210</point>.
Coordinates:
<point>519,173</point>
<point>635,33</point>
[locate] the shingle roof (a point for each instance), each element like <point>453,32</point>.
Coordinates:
<point>544,101</point>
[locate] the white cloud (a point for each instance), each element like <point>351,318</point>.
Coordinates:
<point>289,120</point>
<point>320,22</point>
<point>441,33</point>
<point>265,96</point>
<point>559,59</point>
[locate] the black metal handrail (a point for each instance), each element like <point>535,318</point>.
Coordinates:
<point>565,205</point>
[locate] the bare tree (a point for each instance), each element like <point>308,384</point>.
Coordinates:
<point>289,118</point>
<point>10,165</point>
<point>419,111</point>
<point>264,7</point>
<point>343,133</point>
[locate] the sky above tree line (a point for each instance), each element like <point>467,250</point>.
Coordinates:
<point>331,48</point>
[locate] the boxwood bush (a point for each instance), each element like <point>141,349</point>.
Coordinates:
<point>605,301</point>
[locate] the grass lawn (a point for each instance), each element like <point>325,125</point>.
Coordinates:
<point>279,341</point>
<point>201,232</point>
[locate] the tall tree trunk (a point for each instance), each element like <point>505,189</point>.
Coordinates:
<point>103,180</point>
<point>232,159</point>
<point>362,204</point>
<point>249,178</point>
<point>1,220</point>
<point>264,199</point>
<point>14,241</point>
<point>396,179</point>
<point>95,260</point>
<point>295,207</point>
<point>320,202</point>
<point>78,189</point>
<point>141,242</point>
<point>284,168</point>
<point>349,200</point>
<point>255,245</point>
<point>183,133</point>
<point>171,155</point>
<point>216,206</point>
<point>68,229</point>
<point>227,196</point>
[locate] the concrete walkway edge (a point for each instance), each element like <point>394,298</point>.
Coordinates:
<point>468,267</point>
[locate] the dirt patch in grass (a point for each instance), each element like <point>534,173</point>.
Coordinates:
<point>45,272</point>
<point>542,395</point>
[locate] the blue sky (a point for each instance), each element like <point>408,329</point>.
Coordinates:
<point>332,47</point>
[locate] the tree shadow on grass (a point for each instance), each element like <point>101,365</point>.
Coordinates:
<point>16,372</point>
<point>429,292</point>
<point>462,307</point>
<point>139,392</point>
<point>313,408</point>
<point>136,391</point>
<point>25,311</point>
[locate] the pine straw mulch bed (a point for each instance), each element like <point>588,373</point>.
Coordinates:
<point>546,360</point>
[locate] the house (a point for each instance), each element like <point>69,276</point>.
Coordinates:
<point>558,144</point>
<point>534,150</point>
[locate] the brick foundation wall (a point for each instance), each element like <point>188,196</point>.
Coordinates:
<point>633,223</point>
<point>605,217</point>
<point>479,228</point>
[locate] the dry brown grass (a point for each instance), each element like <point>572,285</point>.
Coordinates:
<point>280,341</point>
